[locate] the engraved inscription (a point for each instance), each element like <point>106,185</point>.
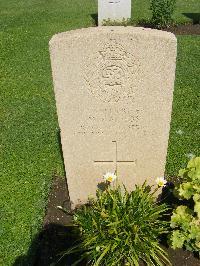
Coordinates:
<point>113,51</point>
<point>99,122</point>
<point>114,1</point>
<point>111,74</point>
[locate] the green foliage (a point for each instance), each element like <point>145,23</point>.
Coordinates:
<point>121,228</point>
<point>142,12</point>
<point>29,149</point>
<point>124,22</point>
<point>29,137</point>
<point>185,220</point>
<point>162,11</point>
<point>186,105</point>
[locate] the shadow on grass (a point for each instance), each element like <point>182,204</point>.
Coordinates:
<point>195,17</point>
<point>47,247</point>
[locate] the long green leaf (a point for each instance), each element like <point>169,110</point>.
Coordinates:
<point>102,255</point>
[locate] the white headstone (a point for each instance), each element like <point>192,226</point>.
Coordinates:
<point>114,91</point>
<point>113,10</point>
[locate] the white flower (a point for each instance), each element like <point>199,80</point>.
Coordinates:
<point>110,177</point>
<point>161,182</point>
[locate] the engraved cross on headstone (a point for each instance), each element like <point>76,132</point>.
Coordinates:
<point>116,161</point>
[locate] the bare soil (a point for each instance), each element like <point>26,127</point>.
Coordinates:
<point>189,29</point>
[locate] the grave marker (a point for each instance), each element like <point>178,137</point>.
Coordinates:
<point>114,91</point>
<point>114,10</point>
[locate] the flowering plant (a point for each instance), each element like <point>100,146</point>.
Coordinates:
<point>109,177</point>
<point>121,227</point>
<point>161,181</point>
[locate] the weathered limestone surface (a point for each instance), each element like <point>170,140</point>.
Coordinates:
<point>115,10</point>
<point>114,91</point>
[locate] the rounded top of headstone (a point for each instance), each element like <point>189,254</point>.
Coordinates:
<point>91,31</point>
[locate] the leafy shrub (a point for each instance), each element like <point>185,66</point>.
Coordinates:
<point>185,220</point>
<point>162,11</point>
<point>121,227</point>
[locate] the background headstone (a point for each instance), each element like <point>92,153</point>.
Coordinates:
<point>115,10</point>
<point>114,91</point>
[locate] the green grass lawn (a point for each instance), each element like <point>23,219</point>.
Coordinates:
<point>185,126</point>
<point>30,152</point>
<point>182,14</point>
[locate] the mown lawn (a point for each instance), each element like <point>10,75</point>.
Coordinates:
<point>185,126</point>
<point>185,10</point>
<point>30,151</point>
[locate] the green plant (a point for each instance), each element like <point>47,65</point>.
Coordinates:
<point>186,218</point>
<point>162,11</point>
<point>123,22</point>
<point>121,228</point>
<point>30,147</point>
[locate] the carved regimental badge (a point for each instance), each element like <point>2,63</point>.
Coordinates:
<point>111,73</point>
